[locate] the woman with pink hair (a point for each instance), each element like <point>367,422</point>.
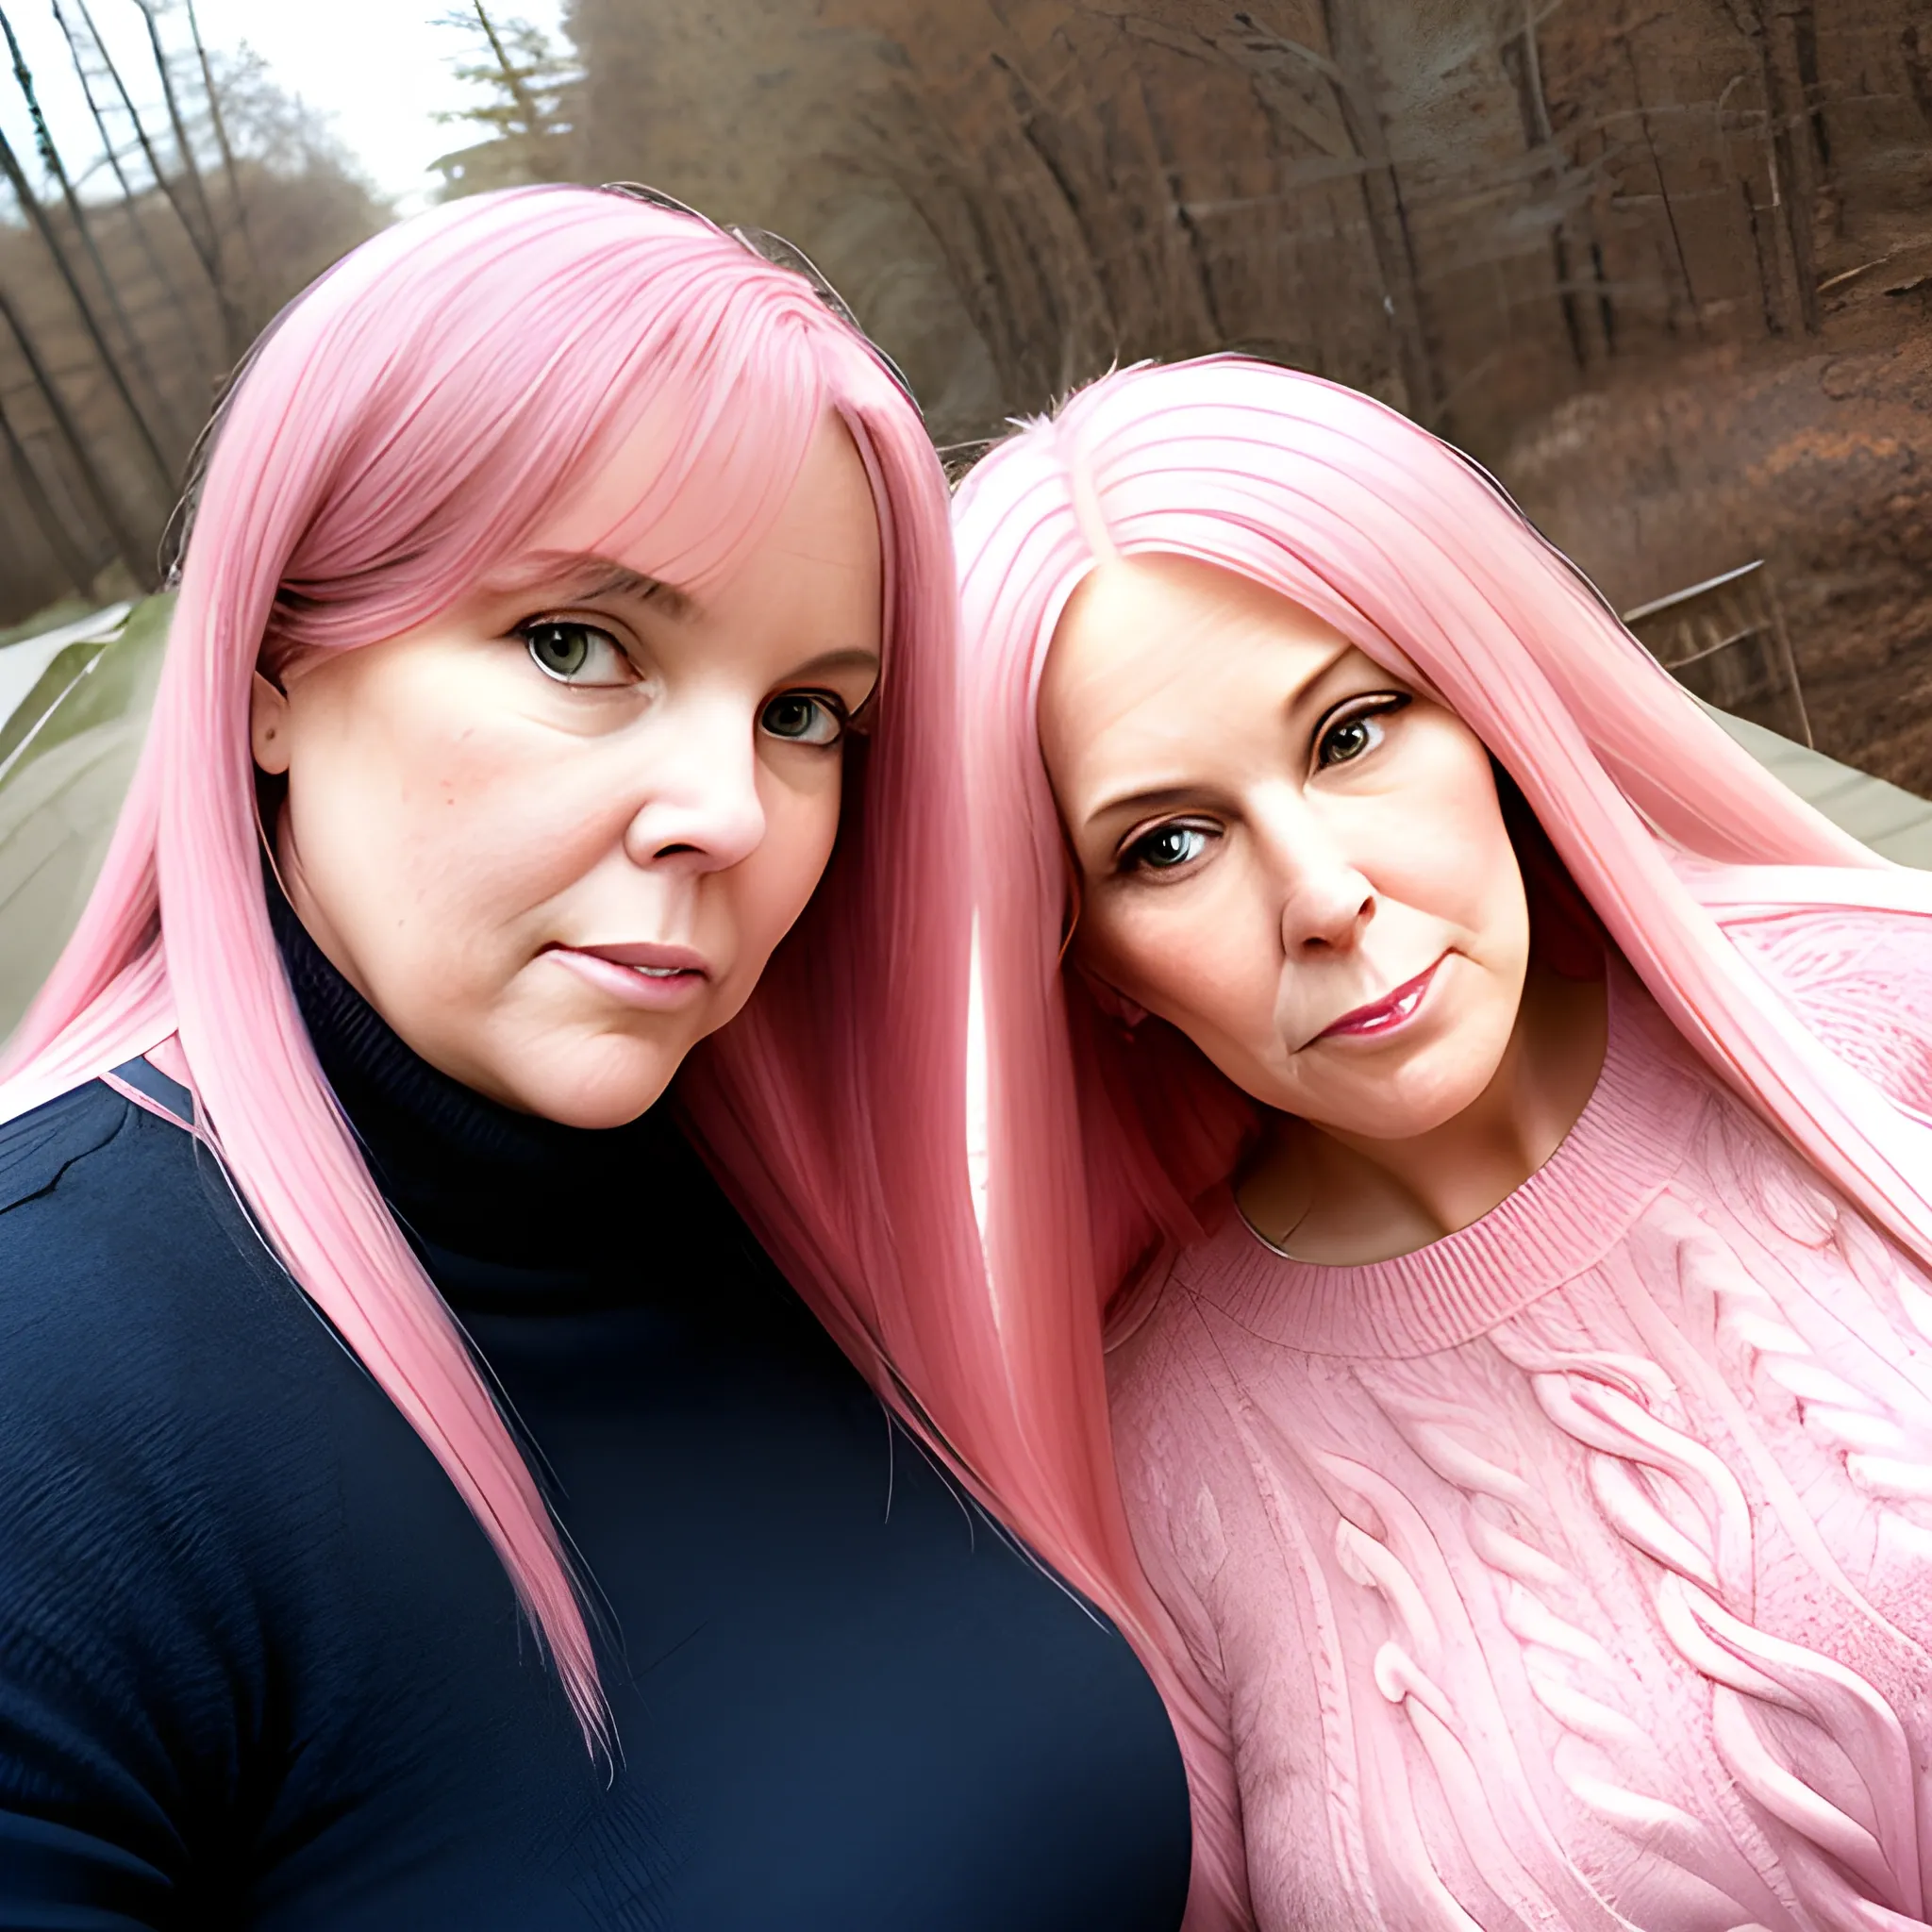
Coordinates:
<point>547,851</point>
<point>1489,1116</point>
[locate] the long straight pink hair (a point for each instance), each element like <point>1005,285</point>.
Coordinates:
<point>1673,833</point>
<point>401,430</point>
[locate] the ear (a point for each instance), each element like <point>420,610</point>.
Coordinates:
<point>268,726</point>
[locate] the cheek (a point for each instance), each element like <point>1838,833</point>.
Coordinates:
<point>1487,881</point>
<point>772,887</point>
<point>1205,956</point>
<point>522,813</point>
<point>420,834</point>
<point>1468,887</point>
<point>1439,847</point>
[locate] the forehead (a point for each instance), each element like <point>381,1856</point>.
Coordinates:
<point>691,520</point>
<point>1153,650</point>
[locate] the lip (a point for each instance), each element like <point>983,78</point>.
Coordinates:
<point>646,976</point>
<point>1389,1014</point>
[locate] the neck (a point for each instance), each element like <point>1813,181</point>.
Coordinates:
<point>1322,1194</point>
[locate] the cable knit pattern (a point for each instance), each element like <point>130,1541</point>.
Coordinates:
<point>1575,1572</point>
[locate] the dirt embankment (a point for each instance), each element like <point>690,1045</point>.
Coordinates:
<point>1817,457</point>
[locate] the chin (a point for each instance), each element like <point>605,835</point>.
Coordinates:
<point>1412,1100</point>
<point>1404,1109</point>
<point>600,1086</point>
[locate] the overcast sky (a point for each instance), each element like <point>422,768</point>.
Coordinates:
<point>377,70</point>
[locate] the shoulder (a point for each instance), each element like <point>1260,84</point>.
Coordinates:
<point>1861,979</point>
<point>158,1458</point>
<point>1813,948</point>
<point>1171,1348</point>
<point>1176,1397</point>
<point>113,1221</point>
<point>38,1147</point>
<point>93,1194</point>
<point>149,1341</point>
<point>1153,1327</point>
<point>170,1400</point>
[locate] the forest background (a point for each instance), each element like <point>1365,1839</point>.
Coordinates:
<point>1664,266</point>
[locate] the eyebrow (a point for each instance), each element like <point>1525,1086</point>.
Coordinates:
<point>573,578</point>
<point>1134,803</point>
<point>850,659</point>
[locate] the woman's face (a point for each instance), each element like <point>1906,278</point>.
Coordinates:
<point>1285,852</point>
<point>554,835</point>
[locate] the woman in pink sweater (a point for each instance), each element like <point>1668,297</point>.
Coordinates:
<point>1494,1115</point>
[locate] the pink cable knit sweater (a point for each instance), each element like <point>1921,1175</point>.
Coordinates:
<point>1575,1571</point>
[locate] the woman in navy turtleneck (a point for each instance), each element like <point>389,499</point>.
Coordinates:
<point>422,1503</point>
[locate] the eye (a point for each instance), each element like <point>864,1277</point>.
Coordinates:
<point>1166,848</point>
<point>1355,734</point>
<point>804,717</point>
<point>574,653</point>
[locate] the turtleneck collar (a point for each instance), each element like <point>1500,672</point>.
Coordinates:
<point>509,1210</point>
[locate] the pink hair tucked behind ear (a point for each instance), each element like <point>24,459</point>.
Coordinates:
<point>403,428</point>
<point>1098,1149</point>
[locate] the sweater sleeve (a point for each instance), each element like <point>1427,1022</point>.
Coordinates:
<point>1218,1892</point>
<point>131,1669</point>
<point>1149,1464</point>
<point>94,1831</point>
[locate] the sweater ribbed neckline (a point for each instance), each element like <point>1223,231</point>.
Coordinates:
<point>1625,1145</point>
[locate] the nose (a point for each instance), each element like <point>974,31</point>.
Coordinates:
<point>1327,914</point>
<point>1326,903</point>
<point>700,809</point>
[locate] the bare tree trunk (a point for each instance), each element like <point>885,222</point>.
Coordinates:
<point>130,202</point>
<point>1771,280</point>
<point>1349,69</point>
<point>114,518</point>
<point>1357,93</point>
<point>1523,62</point>
<point>190,168</point>
<point>1804,52</point>
<point>1915,50</point>
<point>1663,193</point>
<point>1076,287</point>
<point>1206,325</point>
<point>221,127</point>
<point>50,153</point>
<point>1001,277</point>
<point>1567,166</point>
<point>207,249</point>
<point>9,166</point>
<point>60,540</point>
<point>1771,27</point>
<point>1796,146</point>
<point>513,80</point>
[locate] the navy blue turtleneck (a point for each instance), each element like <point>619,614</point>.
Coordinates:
<point>259,1668</point>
